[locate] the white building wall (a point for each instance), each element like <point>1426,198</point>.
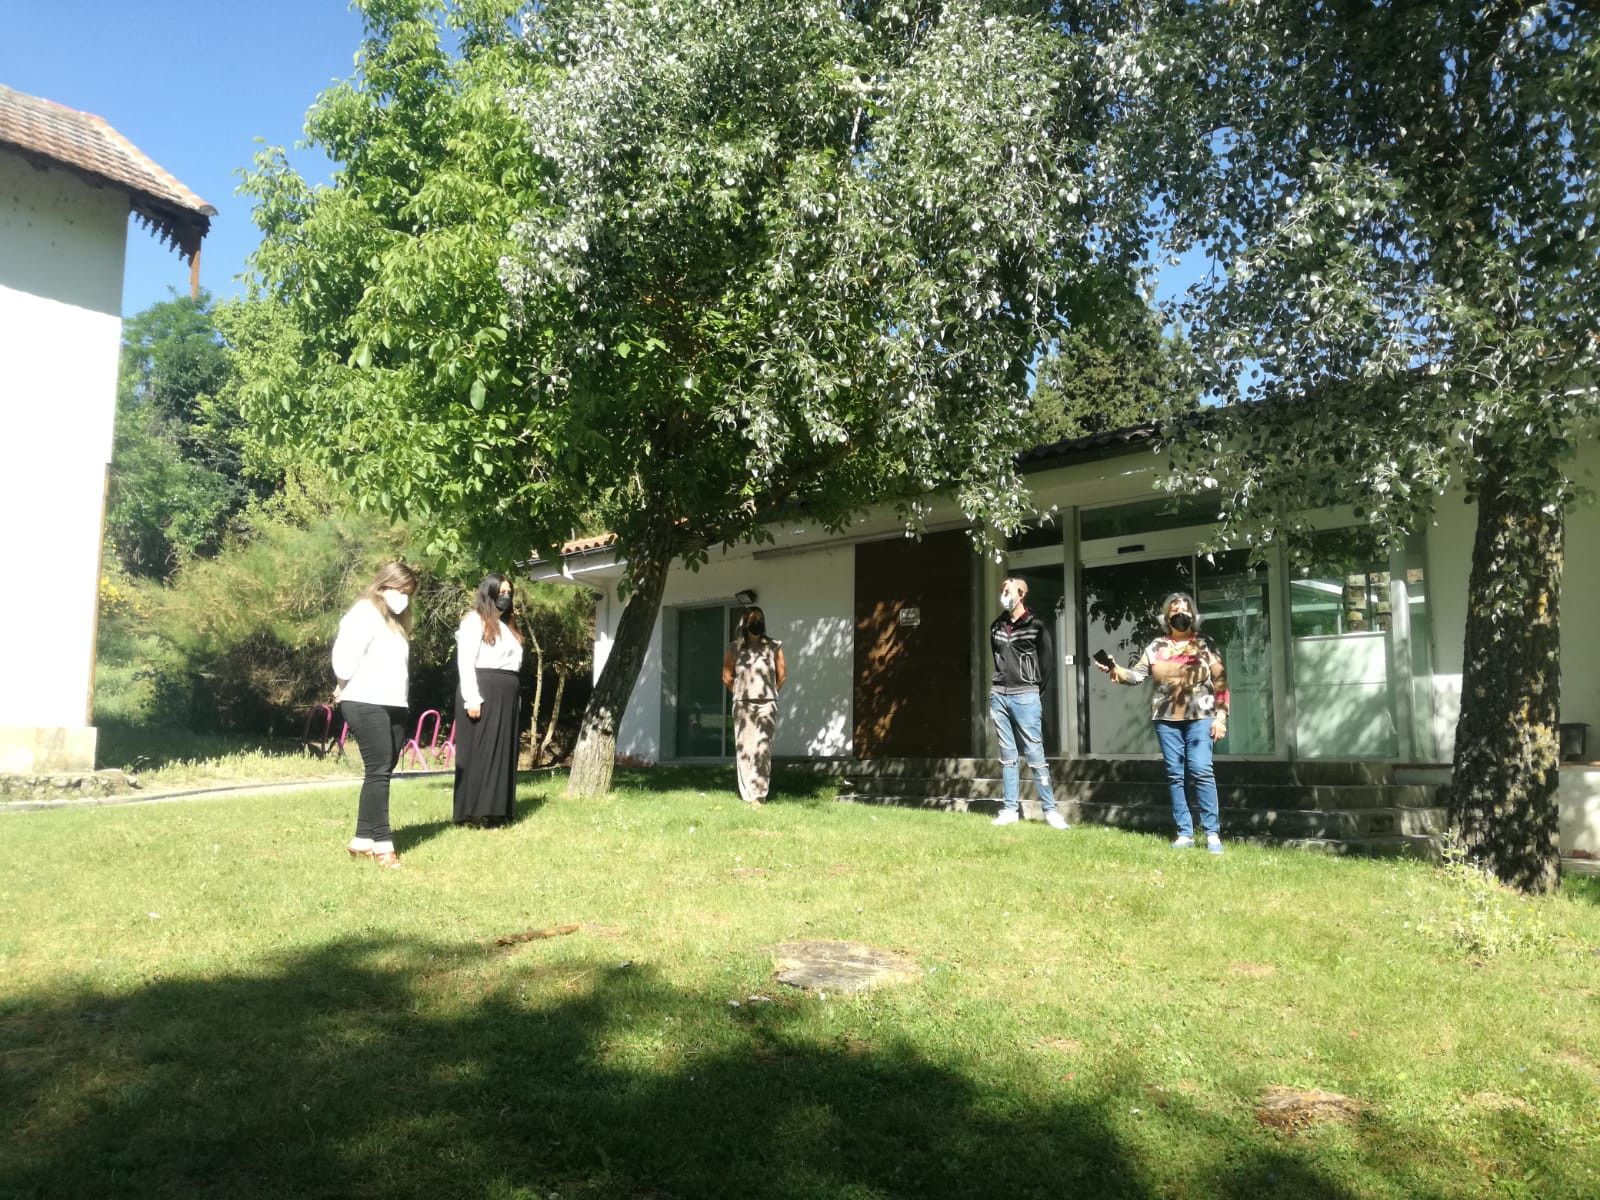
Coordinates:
<point>809,599</point>
<point>61,258</point>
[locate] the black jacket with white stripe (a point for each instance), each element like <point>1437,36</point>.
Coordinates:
<point>1023,654</point>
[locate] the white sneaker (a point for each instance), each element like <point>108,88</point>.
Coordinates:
<point>1055,820</point>
<point>1008,816</point>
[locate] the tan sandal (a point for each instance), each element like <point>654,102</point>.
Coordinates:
<point>388,859</point>
<point>354,853</point>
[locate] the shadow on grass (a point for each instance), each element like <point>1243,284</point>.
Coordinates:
<point>1584,887</point>
<point>788,786</point>
<point>409,837</point>
<point>147,747</point>
<point>382,1067</point>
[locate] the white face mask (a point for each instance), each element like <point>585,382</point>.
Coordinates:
<point>396,601</point>
<point>1007,601</point>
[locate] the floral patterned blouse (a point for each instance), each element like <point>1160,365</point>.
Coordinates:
<point>1190,681</point>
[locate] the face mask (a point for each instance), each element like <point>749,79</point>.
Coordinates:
<point>396,601</point>
<point>503,603</point>
<point>1182,622</point>
<point>1007,600</point>
<point>756,628</point>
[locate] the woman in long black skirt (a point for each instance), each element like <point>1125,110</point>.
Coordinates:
<point>488,658</point>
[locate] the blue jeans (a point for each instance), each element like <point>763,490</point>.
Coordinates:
<point>1027,714</point>
<point>1186,745</point>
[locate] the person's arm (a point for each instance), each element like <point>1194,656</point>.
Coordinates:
<point>1138,673</point>
<point>1219,688</point>
<point>782,668</point>
<point>727,668</point>
<point>350,645</point>
<point>1047,654</point>
<point>468,637</point>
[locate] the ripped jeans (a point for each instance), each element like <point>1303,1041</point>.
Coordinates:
<point>1026,713</point>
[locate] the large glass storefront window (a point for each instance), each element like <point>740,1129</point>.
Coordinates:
<point>1122,602</point>
<point>1360,661</point>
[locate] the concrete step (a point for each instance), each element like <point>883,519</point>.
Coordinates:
<point>1133,770</point>
<point>1280,823</point>
<point>1419,846</point>
<point>1404,831</point>
<point>1232,795</point>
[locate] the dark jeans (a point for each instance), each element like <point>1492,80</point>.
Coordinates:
<point>1186,747</point>
<point>380,731</point>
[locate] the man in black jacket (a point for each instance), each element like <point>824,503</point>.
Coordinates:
<point>1023,657</point>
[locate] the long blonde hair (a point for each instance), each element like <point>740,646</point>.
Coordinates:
<point>400,578</point>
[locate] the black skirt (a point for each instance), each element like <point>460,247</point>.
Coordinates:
<point>486,750</point>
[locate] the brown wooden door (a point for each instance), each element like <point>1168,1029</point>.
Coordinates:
<point>913,683</point>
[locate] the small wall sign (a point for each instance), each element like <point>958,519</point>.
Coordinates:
<point>910,618</point>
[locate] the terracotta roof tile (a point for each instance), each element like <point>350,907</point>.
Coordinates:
<point>586,544</point>
<point>45,131</point>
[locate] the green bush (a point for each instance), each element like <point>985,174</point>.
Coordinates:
<point>238,644</point>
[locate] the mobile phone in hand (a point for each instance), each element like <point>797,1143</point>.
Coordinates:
<point>1104,659</point>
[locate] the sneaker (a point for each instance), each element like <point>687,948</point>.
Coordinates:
<point>1055,820</point>
<point>1009,816</point>
<point>1213,844</point>
<point>1183,843</point>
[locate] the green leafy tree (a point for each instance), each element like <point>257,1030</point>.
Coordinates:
<point>1110,374</point>
<point>1401,200</point>
<point>679,268</point>
<point>176,474</point>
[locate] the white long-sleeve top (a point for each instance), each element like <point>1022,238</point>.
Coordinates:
<point>473,652</point>
<point>371,658</point>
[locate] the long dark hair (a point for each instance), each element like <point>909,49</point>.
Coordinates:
<point>483,604</point>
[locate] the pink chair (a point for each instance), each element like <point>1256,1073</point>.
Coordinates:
<point>323,742</point>
<point>445,754</point>
<point>413,752</point>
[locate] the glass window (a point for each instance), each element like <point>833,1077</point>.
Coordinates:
<point>1342,664</point>
<point>1145,516</point>
<point>704,716</point>
<point>1040,533</point>
<point>1122,603</point>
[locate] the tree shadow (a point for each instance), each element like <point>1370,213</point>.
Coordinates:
<point>380,1066</point>
<point>789,785</point>
<point>1583,887</point>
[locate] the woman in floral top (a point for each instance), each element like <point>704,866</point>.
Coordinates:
<point>1189,711</point>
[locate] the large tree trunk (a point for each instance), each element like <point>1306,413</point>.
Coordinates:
<point>595,754</point>
<point>1506,770</point>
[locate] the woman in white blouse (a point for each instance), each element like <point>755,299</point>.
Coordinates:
<point>488,659</point>
<point>371,660</point>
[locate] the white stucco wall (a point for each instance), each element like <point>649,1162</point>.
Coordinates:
<point>61,259</point>
<point>809,600</point>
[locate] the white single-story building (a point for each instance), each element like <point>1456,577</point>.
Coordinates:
<point>1357,658</point>
<point>68,182</point>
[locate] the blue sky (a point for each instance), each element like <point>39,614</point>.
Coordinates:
<point>192,83</point>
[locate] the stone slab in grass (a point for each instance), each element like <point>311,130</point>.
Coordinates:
<point>841,966</point>
<point>1294,1109</point>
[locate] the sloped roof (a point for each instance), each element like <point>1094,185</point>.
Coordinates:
<point>1088,446</point>
<point>54,135</point>
<point>585,545</point>
<point>1035,458</point>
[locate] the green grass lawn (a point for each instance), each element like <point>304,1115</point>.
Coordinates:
<point>211,999</point>
<point>165,759</point>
